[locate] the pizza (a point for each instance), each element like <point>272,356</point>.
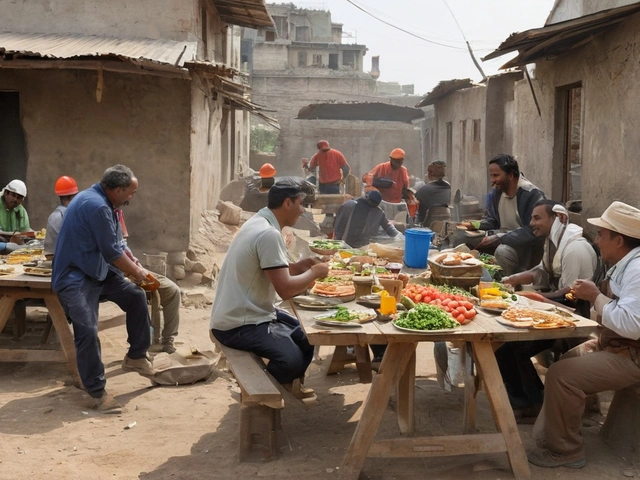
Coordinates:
<point>536,318</point>
<point>333,287</point>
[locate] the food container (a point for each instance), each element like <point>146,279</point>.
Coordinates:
<point>440,270</point>
<point>394,267</point>
<point>465,282</point>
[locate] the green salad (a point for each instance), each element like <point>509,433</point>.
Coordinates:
<point>426,317</point>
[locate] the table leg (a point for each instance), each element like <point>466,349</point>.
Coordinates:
<point>502,412</point>
<point>407,397</point>
<point>393,365</point>
<point>61,325</point>
<point>471,384</point>
<point>363,363</point>
<point>6,307</point>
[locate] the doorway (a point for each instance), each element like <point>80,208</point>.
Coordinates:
<point>567,165</point>
<point>13,152</point>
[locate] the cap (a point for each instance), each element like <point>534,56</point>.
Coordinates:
<point>397,154</point>
<point>17,186</point>
<point>621,218</point>
<point>66,186</point>
<point>374,197</point>
<point>267,171</point>
<point>323,144</point>
<point>289,187</point>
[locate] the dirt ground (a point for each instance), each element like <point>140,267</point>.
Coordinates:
<point>47,429</point>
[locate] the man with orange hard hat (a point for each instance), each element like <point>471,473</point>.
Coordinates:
<point>332,167</point>
<point>66,188</point>
<point>390,178</point>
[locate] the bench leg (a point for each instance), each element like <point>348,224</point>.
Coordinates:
<point>259,426</point>
<point>361,358</point>
<point>621,428</point>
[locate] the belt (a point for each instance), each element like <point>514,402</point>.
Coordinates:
<point>335,182</point>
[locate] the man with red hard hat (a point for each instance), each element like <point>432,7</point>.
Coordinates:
<point>66,188</point>
<point>332,167</point>
<point>390,178</point>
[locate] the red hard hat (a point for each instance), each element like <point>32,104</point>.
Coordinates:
<point>267,171</point>
<point>397,154</point>
<point>323,144</point>
<point>66,186</point>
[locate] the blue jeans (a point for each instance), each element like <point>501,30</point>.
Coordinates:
<point>80,303</point>
<point>325,188</point>
<point>282,341</point>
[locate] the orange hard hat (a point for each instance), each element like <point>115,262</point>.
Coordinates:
<point>66,186</point>
<point>397,154</point>
<point>323,144</point>
<point>267,171</point>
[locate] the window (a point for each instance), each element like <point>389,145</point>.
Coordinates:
<point>449,142</point>
<point>476,131</point>
<point>270,36</point>
<point>463,146</point>
<point>333,61</point>
<point>568,154</point>
<point>282,27</point>
<point>302,59</point>
<point>350,58</point>
<point>302,34</point>
<point>317,59</point>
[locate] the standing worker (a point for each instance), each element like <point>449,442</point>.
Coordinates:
<point>332,167</point>
<point>66,188</point>
<point>390,178</point>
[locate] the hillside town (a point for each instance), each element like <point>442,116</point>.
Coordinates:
<point>233,243</point>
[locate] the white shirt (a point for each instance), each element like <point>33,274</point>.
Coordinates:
<point>623,315</point>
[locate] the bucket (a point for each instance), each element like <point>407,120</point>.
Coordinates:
<point>417,242</point>
<point>157,263</point>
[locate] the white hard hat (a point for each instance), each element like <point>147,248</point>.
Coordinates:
<point>17,186</point>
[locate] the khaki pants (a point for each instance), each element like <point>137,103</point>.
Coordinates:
<point>579,373</point>
<point>170,300</point>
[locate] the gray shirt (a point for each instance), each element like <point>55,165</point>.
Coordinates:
<point>245,295</point>
<point>53,229</point>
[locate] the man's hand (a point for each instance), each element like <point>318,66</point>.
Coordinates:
<point>586,290</point>
<point>320,270</point>
<point>139,274</point>
<point>488,242</point>
<point>512,280</point>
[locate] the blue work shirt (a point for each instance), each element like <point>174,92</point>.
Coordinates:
<point>88,240</point>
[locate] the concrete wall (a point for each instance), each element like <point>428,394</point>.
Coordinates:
<point>270,56</point>
<point>608,68</point>
<point>68,133</point>
<point>570,9</point>
<point>166,19</point>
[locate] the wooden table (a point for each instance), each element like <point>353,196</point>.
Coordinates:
<point>20,286</point>
<point>398,371</point>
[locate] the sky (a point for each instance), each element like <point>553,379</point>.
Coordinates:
<point>407,59</point>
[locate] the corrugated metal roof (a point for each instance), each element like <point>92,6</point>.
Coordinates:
<point>245,13</point>
<point>443,89</point>
<point>25,45</point>
<point>557,38</point>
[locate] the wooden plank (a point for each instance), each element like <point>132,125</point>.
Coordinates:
<point>471,385</point>
<point>444,446</point>
<point>252,378</point>
<point>6,307</point>
<point>339,358</point>
<point>363,363</point>
<point>60,323</point>
<point>407,397</point>
<point>502,411</point>
<point>28,355</point>
<point>393,364</point>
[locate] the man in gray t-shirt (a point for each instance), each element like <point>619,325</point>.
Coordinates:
<point>66,188</point>
<point>255,269</point>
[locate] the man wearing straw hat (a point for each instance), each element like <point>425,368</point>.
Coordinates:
<point>611,362</point>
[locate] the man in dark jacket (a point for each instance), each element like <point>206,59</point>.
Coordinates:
<point>436,192</point>
<point>509,208</point>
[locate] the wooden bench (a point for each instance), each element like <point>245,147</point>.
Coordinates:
<point>621,429</point>
<point>261,402</point>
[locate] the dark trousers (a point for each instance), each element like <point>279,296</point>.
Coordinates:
<point>524,387</point>
<point>329,188</point>
<point>282,341</point>
<point>80,304</point>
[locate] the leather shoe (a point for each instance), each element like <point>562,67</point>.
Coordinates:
<point>548,459</point>
<point>139,365</point>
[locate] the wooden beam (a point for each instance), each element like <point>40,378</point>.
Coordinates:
<point>445,446</point>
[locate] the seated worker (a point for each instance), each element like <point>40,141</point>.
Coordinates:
<point>609,363</point>
<point>567,257</point>
<point>332,167</point>
<point>168,291</point>
<point>359,220</point>
<point>66,188</point>
<point>436,192</point>
<point>267,173</point>
<point>254,271</point>
<point>509,208</point>
<point>13,216</point>
<point>390,178</point>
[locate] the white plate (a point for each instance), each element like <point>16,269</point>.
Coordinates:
<point>413,330</point>
<point>335,323</point>
<point>326,317</point>
<point>509,323</point>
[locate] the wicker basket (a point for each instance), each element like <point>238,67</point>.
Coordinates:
<point>440,270</point>
<point>462,282</point>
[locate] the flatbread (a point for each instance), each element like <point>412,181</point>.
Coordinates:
<point>539,319</point>
<point>334,289</point>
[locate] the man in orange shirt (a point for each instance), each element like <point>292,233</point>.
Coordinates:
<point>332,167</point>
<point>391,178</point>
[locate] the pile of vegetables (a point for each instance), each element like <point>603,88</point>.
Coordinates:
<point>489,262</point>
<point>327,244</point>
<point>343,315</point>
<point>451,300</point>
<point>425,317</point>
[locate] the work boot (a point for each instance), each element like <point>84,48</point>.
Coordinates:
<point>143,365</point>
<point>107,404</point>
<point>549,459</point>
<point>167,345</point>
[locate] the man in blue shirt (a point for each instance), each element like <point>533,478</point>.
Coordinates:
<point>89,263</point>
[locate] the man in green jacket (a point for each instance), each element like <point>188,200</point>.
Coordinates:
<point>13,216</point>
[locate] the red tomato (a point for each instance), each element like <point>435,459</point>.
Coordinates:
<point>447,308</point>
<point>470,314</point>
<point>468,305</point>
<point>461,310</point>
<point>418,297</point>
<point>427,299</point>
<point>461,319</point>
<point>446,301</point>
<point>453,304</point>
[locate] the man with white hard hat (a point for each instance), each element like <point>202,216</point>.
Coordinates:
<point>611,362</point>
<point>13,216</point>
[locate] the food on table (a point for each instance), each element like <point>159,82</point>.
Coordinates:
<point>451,259</point>
<point>571,296</point>
<point>6,270</point>
<point>41,234</point>
<point>333,287</point>
<point>17,259</point>
<point>495,304</point>
<point>489,262</point>
<point>425,317</point>
<point>536,318</point>
<point>344,314</point>
<point>407,302</point>
<point>452,300</point>
<point>326,247</point>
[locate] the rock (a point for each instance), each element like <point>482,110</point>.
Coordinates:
<point>197,267</point>
<point>230,214</point>
<point>191,255</point>
<point>176,258</point>
<point>178,272</point>
<point>188,265</point>
<point>199,297</point>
